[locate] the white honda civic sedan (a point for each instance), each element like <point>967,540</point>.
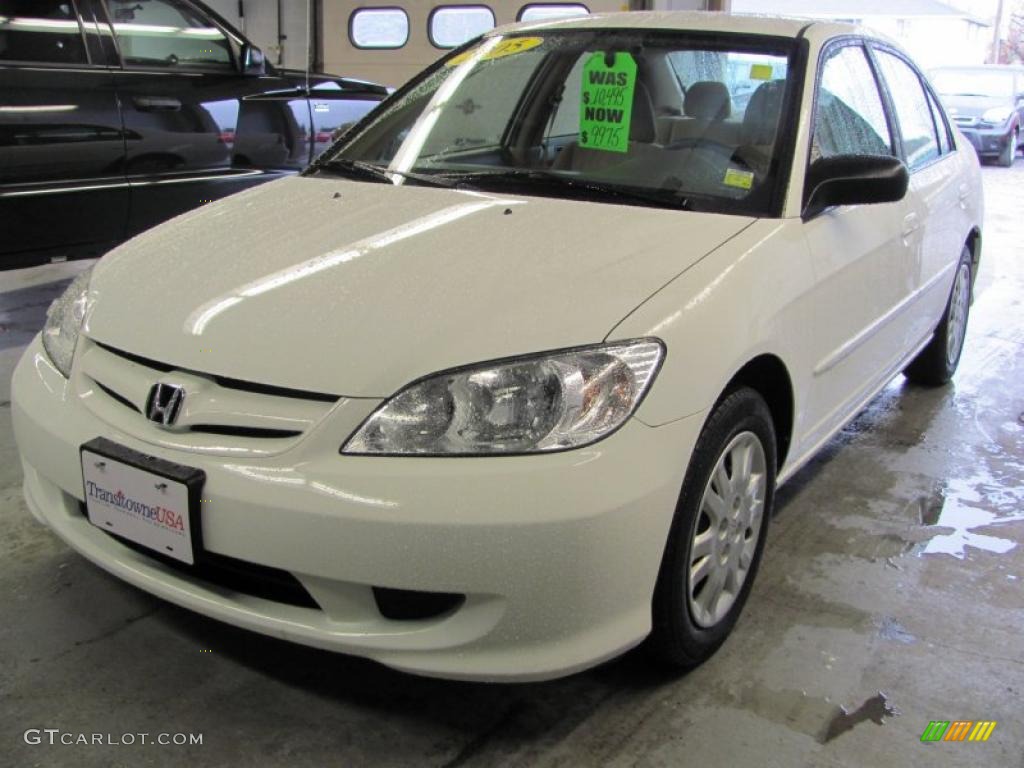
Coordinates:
<point>504,384</point>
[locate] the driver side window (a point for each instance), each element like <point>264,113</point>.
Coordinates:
<point>849,117</point>
<point>168,33</point>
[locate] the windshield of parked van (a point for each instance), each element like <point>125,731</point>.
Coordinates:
<point>977,82</point>
<point>639,117</point>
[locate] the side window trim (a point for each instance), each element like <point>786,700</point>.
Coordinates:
<point>941,114</point>
<point>76,5</point>
<point>107,20</point>
<point>872,46</point>
<point>888,105</point>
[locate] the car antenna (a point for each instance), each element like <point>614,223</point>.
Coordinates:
<point>309,41</point>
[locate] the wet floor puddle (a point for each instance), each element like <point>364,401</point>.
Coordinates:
<point>875,709</point>
<point>959,508</point>
<point>815,716</point>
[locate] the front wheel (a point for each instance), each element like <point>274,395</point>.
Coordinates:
<point>1009,153</point>
<point>936,363</point>
<point>718,533</point>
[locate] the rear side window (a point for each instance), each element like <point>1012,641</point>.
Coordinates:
<point>380,28</point>
<point>920,142</point>
<point>452,25</point>
<point>168,33</point>
<point>849,118</point>
<point>40,31</point>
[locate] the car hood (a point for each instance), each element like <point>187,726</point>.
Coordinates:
<point>353,288</point>
<point>973,106</point>
<point>320,80</point>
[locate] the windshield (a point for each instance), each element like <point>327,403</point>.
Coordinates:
<point>966,82</point>
<point>619,116</point>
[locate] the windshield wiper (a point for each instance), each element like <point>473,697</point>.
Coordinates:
<point>383,173</point>
<point>595,189</point>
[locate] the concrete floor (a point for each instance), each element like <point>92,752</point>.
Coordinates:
<point>894,565</point>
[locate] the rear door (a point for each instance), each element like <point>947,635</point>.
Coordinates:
<point>934,192</point>
<point>196,127</point>
<point>62,187</point>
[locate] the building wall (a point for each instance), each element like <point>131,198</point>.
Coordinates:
<point>680,5</point>
<point>260,24</point>
<point>394,67</point>
<point>934,42</point>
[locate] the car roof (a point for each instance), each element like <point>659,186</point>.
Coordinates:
<point>698,21</point>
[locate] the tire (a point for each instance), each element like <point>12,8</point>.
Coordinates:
<point>689,625</point>
<point>1009,153</point>
<point>936,363</point>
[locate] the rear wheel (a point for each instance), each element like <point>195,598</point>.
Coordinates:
<point>936,363</point>
<point>1009,153</point>
<point>718,534</point>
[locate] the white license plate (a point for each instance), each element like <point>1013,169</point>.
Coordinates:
<point>141,506</point>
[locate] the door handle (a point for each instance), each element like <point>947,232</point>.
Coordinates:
<point>910,224</point>
<point>157,103</point>
<point>964,191</point>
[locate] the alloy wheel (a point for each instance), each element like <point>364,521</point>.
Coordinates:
<point>956,325</point>
<point>726,532</point>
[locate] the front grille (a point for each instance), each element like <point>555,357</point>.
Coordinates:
<point>118,397</point>
<point>219,406</point>
<point>227,383</point>
<point>255,432</point>
<point>232,574</point>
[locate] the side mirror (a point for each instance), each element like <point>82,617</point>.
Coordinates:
<point>854,180</point>
<point>253,61</point>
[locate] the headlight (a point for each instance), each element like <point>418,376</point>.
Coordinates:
<point>64,320</point>
<point>997,115</point>
<point>535,404</point>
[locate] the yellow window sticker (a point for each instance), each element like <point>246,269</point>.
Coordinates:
<point>761,72</point>
<point>738,179</point>
<point>508,47</point>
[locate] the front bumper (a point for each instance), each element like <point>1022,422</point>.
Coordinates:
<point>987,142</point>
<point>557,554</point>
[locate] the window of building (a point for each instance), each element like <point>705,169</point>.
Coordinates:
<point>547,11</point>
<point>378,28</point>
<point>452,25</point>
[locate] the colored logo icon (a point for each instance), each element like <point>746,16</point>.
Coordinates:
<point>958,730</point>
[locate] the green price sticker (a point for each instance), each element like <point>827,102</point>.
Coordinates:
<point>606,102</point>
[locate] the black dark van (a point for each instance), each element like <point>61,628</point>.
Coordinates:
<point>118,114</point>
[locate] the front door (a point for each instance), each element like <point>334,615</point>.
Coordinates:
<point>866,258</point>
